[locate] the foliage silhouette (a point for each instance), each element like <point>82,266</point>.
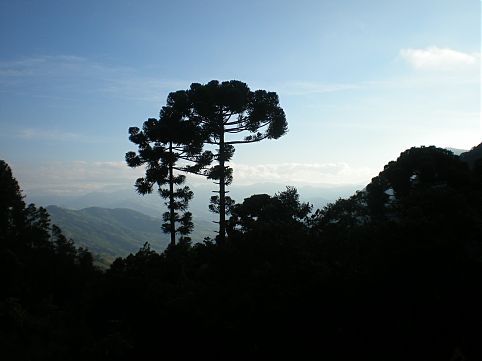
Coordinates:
<point>43,278</point>
<point>225,109</point>
<point>284,209</point>
<point>162,143</point>
<point>472,156</point>
<point>398,280</point>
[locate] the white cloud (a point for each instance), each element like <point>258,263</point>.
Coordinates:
<point>74,177</point>
<point>301,173</point>
<point>78,177</point>
<point>435,58</point>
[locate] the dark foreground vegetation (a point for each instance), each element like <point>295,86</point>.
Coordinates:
<point>392,273</point>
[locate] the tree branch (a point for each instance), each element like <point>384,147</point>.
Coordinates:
<point>247,141</point>
<point>235,130</point>
<point>235,122</point>
<point>229,115</point>
<point>210,142</point>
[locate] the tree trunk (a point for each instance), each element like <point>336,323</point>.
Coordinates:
<point>171,199</point>
<point>222,191</point>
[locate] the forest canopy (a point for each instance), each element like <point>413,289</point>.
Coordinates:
<point>392,272</point>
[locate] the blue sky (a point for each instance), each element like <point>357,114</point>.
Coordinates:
<point>360,81</point>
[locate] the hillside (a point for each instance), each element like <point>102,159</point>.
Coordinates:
<point>115,223</point>
<point>472,155</point>
<point>109,232</point>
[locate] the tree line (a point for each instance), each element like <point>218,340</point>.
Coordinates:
<point>392,272</point>
<point>44,279</point>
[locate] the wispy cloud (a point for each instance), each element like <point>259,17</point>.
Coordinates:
<point>67,74</point>
<point>306,88</point>
<point>435,58</point>
<point>37,134</point>
<point>74,177</point>
<point>301,173</point>
<point>53,135</point>
<point>73,77</point>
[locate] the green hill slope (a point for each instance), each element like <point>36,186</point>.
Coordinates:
<point>109,232</point>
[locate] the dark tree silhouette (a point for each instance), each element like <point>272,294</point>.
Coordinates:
<point>162,143</point>
<point>472,156</point>
<point>416,172</point>
<point>394,277</point>
<point>43,279</point>
<point>12,206</point>
<point>285,208</point>
<point>231,108</point>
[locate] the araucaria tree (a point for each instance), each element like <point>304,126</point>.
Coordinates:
<point>172,143</point>
<point>230,113</point>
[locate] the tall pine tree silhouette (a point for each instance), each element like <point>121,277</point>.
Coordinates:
<point>172,143</point>
<point>226,110</point>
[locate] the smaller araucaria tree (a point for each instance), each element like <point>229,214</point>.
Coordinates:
<point>172,143</point>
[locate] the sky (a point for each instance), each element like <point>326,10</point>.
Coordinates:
<point>360,82</point>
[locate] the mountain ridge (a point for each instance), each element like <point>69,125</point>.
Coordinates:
<point>109,232</point>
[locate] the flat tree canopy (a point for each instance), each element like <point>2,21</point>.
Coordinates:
<point>230,110</point>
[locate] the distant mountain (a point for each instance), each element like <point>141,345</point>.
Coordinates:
<point>117,232</point>
<point>152,205</point>
<point>472,155</point>
<point>109,232</point>
<point>116,223</point>
<point>125,198</point>
<point>457,151</point>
